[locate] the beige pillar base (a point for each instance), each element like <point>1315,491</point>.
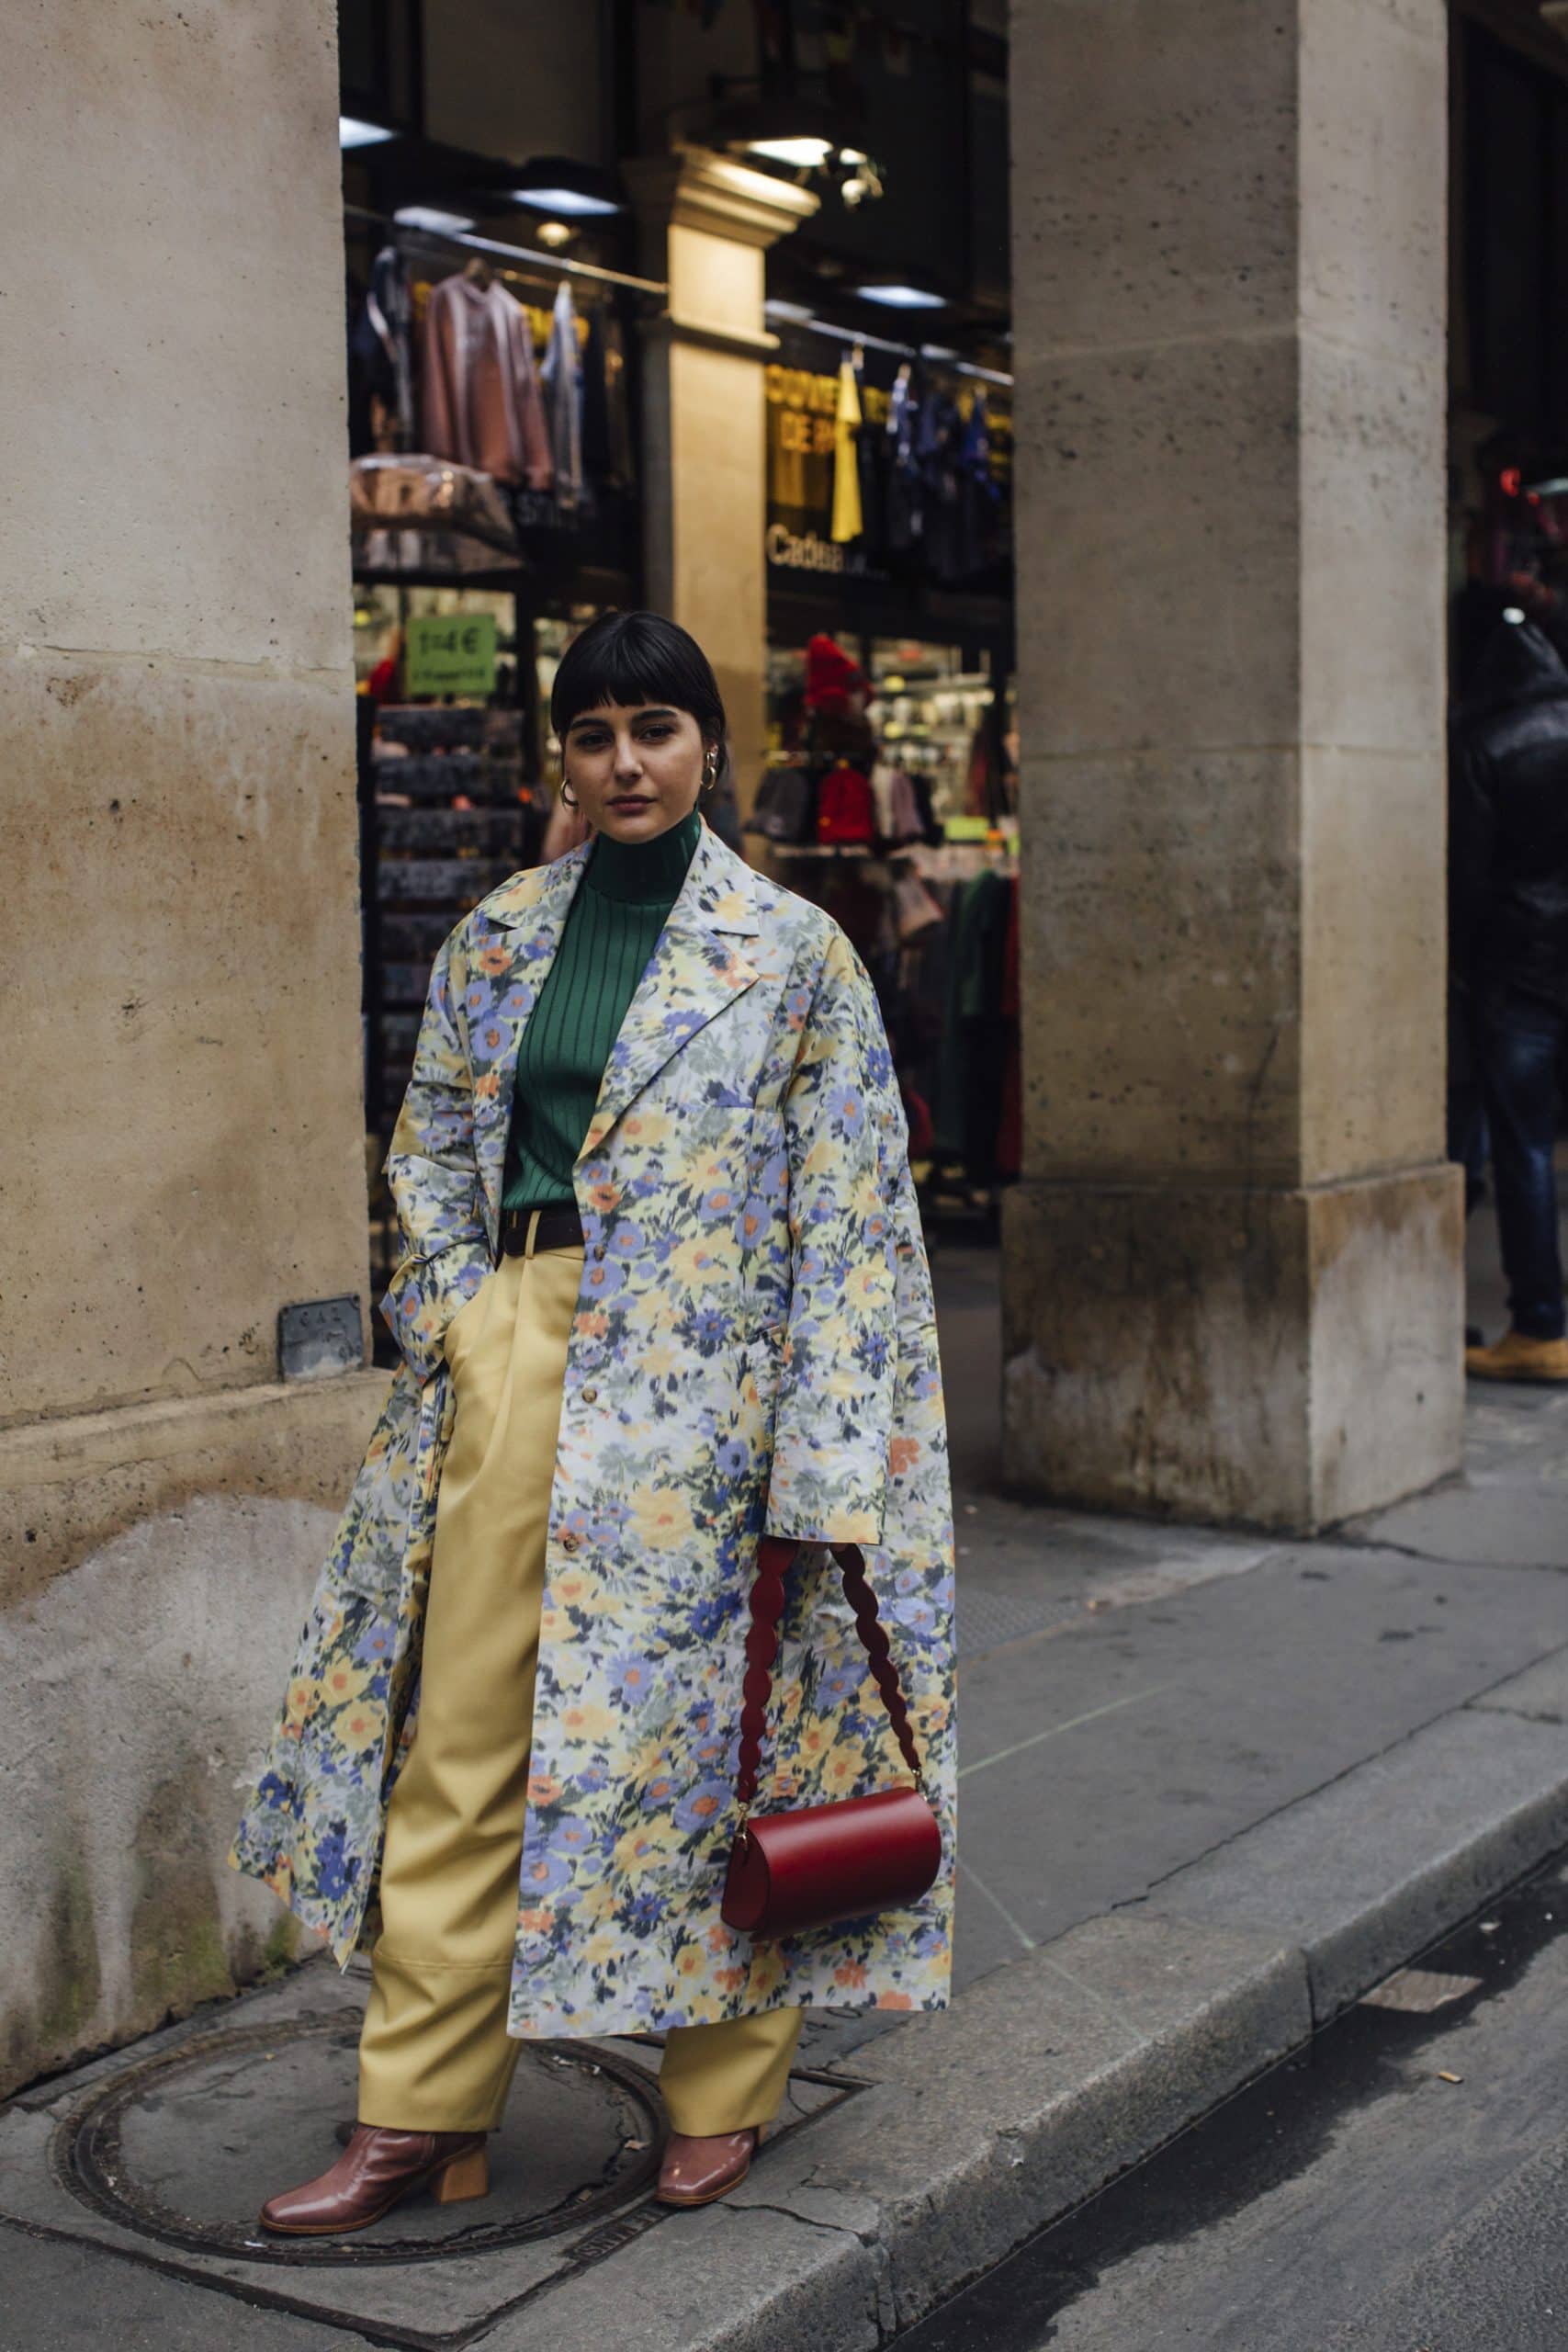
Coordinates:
<point>159,1562</point>
<point>1278,1358</point>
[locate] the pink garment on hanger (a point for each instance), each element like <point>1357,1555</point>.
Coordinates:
<point>480,403</point>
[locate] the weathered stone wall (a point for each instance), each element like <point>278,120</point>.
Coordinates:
<point>184,1137</point>
<point>1229,259</point>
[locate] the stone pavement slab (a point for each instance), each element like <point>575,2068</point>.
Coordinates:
<point>1510,1507</point>
<point>1372,1867</point>
<point>1540,1692</point>
<point>57,2296</point>
<point>1096,1759</point>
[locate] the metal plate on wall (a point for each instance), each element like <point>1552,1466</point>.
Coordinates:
<point>319,1336</point>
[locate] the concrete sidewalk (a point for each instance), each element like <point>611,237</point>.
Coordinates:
<point>1213,1789</point>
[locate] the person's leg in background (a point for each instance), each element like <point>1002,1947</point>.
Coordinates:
<point>1468,1142</point>
<point>1520,1044</point>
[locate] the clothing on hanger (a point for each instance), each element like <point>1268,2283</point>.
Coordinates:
<point>973,1044</point>
<point>561,380</point>
<point>608,457</point>
<point>871,466</point>
<point>936,453</point>
<point>482,402</point>
<point>784,809</point>
<point>846,476</point>
<point>898,818</point>
<point>916,911</point>
<point>903,502</point>
<point>381,360</point>
<point>845,812</point>
<point>933,831</point>
<point>980,499</point>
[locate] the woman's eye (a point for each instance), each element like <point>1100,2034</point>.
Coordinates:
<point>657,734</point>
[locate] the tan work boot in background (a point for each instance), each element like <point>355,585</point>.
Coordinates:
<point>1519,1357</point>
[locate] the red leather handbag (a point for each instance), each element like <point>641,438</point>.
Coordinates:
<point>823,1862</point>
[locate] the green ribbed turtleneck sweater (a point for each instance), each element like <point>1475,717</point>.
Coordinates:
<point>611,926</point>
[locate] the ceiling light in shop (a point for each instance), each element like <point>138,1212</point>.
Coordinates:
<point>554,234</point>
<point>428,216</point>
<point>556,183</point>
<point>804,153</point>
<point>776,308</point>
<point>902,298</point>
<point>354,133</point>
<point>563,200</point>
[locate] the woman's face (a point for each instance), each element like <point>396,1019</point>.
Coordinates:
<point>636,768</point>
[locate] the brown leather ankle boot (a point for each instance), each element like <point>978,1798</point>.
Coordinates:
<point>696,2169</point>
<point>377,2169</point>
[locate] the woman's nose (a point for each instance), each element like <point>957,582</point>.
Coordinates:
<point>628,763</point>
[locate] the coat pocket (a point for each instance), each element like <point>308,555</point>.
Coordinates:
<point>465,1325</point>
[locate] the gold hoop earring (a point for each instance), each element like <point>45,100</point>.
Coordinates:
<point>566,793</point>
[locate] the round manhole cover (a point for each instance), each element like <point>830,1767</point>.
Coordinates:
<point>187,2146</point>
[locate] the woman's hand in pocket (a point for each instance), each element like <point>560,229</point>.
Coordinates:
<point>468,1318</point>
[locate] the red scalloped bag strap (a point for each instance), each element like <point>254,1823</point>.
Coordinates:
<point>774,1555</point>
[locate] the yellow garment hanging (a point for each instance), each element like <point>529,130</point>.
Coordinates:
<point>847,522</point>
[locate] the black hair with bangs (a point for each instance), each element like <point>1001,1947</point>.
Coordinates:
<point>632,658</point>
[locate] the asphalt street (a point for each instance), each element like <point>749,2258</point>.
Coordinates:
<point>1402,2187</point>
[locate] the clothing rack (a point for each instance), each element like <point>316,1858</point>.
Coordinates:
<point>466,241</point>
<point>932,353</point>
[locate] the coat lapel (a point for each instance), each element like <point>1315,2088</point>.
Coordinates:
<point>696,970</point>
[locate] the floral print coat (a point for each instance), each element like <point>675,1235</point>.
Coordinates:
<point>754,1351</point>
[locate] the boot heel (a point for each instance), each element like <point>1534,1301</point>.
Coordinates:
<point>465,2177</point>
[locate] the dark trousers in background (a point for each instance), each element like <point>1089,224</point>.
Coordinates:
<point>1506,1092</point>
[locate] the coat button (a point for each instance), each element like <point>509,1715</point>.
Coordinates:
<point>569,1543</point>
<point>590,1395</point>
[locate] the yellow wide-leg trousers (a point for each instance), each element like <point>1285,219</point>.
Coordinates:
<point>435,2054</point>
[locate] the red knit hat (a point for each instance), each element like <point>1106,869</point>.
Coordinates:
<point>831,678</point>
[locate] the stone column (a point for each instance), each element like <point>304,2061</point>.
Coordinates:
<point>707,223</point>
<point>184,1149</point>
<point>1233,1268</point>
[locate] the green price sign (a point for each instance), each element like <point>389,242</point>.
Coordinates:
<point>450,653</point>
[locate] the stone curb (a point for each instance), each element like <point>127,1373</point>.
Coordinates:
<point>977,2128</point>
<point>1366,1872</point>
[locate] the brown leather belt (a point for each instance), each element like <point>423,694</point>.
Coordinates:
<point>558,1228</point>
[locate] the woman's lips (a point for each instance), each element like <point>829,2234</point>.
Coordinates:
<point>633,800</point>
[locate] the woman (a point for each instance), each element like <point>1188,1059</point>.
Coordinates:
<point>664,1291</point>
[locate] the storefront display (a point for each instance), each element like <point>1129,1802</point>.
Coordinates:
<point>886,466</point>
<point>890,799</point>
<point>507,388</point>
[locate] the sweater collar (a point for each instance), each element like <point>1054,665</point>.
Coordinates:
<point>644,872</point>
